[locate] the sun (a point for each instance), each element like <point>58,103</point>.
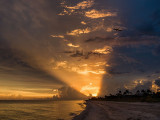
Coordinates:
<point>90,90</point>
<point>95,95</point>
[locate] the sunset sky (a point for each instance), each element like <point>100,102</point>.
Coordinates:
<point>93,46</point>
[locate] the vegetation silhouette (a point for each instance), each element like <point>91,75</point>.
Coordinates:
<point>127,96</point>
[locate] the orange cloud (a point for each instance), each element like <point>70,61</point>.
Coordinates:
<point>105,50</point>
<point>82,5</point>
<point>93,14</point>
<point>79,31</point>
<point>57,36</point>
<point>71,45</point>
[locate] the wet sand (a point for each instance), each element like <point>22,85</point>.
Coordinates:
<point>107,110</point>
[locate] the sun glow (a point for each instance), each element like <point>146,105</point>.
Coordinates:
<point>90,90</point>
<point>86,72</point>
<point>95,95</point>
<point>83,76</point>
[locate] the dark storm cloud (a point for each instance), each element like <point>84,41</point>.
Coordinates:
<point>10,57</point>
<point>77,54</point>
<point>140,20</point>
<point>146,85</point>
<point>137,58</point>
<point>12,64</point>
<point>126,40</point>
<point>99,39</point>
<point>128,64</point>
<point>24,25</point>
<point>157,82</point>
<point>115,72</point>
<point>156,51</point>
<point>86,55</point>
<point>136,48</point>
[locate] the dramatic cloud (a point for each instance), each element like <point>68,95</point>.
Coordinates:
<point>71,45</point>
<point>157,82</point>
<point>47,44</point>
<point>79,31</point>
<point>82,5</point>
<point>68,93</point>
<point>98,14</point>
<point>57,36</point>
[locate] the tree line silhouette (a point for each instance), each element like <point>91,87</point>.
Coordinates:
<point>127,96</point>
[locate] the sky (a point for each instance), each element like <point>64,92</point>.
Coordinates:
<point>77,48</point>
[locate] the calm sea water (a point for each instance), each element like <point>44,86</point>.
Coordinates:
<point>40,110</point>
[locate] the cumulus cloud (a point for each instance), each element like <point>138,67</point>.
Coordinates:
<point>98,14</point>
<point>69,10</point>
<point>71,45</point>
<point>105,50</point>
<point>143,86</point>
<point>79,31</point>
<point>82,5</point>
<point>68,93</point>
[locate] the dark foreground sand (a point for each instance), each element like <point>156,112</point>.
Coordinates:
<point>105,110</point>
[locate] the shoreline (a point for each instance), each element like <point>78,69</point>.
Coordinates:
<point>110,110</point>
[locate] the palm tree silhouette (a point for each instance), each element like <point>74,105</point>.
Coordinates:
<point>149,91</point>
<point>138,92</point>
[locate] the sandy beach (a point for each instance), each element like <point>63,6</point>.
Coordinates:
<point>106,110</point>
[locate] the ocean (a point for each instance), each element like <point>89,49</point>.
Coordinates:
<point>40,110</point>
